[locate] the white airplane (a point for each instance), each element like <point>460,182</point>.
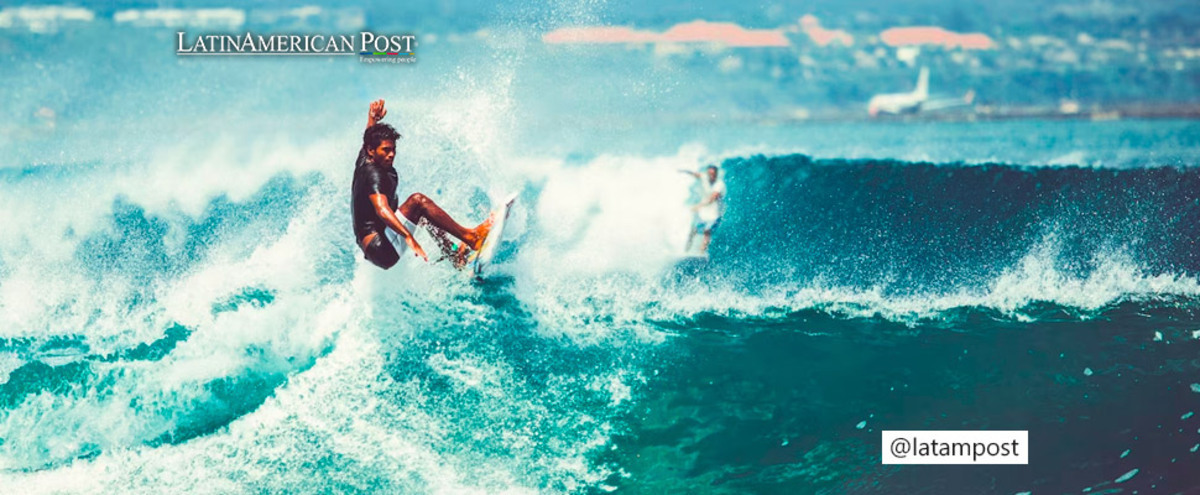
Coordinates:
<point>916,101</point>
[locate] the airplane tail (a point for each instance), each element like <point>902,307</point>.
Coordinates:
<point>923,83</point>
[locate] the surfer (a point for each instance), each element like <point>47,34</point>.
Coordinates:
<point>710,208</point>
<point>382,228</point>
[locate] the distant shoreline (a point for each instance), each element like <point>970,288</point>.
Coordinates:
<point>983,113</point>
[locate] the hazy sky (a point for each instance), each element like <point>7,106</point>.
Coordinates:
<point>970,13</point>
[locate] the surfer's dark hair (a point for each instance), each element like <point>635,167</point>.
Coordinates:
<point>379,133</point>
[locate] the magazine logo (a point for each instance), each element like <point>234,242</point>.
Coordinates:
<point>369,47</point>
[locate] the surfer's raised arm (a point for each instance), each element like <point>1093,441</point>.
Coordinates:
<point>692,173</point>
<point>375,113</point>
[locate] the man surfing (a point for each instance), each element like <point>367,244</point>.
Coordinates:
<point>710,208</point>
<point>382,225</point>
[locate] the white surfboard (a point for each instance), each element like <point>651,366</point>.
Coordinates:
<point>482,259</point>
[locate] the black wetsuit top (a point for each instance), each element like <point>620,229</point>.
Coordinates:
<point>370,179</point>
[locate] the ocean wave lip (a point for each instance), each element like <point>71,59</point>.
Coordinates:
<point>1029,292</point>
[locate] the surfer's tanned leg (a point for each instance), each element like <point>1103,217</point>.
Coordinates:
<point>419,206</point>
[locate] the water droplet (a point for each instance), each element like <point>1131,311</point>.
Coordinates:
<point>1127,476</point>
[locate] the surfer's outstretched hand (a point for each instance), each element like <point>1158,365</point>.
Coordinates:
<point>376,113</point>
<point>412,244</point>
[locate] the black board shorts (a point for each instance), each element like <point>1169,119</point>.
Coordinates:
<point>387,246</point>
<point>381,252</point>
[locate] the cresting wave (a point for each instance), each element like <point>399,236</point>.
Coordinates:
<point>953,235</point>
<point>246,338</point>
<point>184,328</point>
<point>901,241</point>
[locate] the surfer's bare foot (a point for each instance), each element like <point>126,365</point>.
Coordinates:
<point>480,233</point>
